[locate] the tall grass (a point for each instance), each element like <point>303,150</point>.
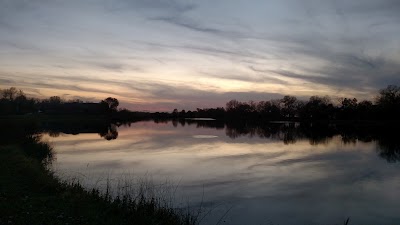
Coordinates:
<point>143,201</point>
<point>35,195</point>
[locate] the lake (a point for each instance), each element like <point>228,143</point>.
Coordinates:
<point>277,173</point>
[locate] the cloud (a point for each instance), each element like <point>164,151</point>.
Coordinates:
<point>172,6</point>
<point>259,77</point>
<point>164,52</point>
<point>137,94</point>
<point>188,24</point>
<point>370,7</point>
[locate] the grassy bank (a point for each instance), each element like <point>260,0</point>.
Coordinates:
<point>31,194</point>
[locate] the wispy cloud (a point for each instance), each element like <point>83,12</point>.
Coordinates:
<point>181,53</point>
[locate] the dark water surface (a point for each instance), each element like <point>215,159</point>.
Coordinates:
<point>279,173</point>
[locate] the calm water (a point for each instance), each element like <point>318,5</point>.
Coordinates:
<point>278,174</point>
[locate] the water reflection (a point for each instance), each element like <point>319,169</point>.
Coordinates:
<point>27,136</point>
<point>277,173</point>
<point>110,133</point>
<point>315,133</point>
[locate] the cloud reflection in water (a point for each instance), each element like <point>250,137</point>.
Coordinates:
<point>264,179</point>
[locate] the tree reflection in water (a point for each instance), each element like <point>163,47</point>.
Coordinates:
<point>387,140</point>
<point>388,144</point>
<point>111,133</point>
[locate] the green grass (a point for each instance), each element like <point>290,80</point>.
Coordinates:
<point>31,194</point>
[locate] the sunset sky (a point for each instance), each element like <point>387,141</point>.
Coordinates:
<point>166,54</point>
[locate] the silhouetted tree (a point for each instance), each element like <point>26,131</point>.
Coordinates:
<point>20,97</point>
<point>318,108</point>
<point>9,94</point>
<point>189,114</point>
<point>175,113</point>
<point>241,110</point>
<point>268,110</point>
<point>389,95</point>
<point>55,100</point>
<point>348,103</point>
<point>232,105</point>
<point>366,110</point>
<point>23,104</point>
<point>182,114</point>
<point>111,104</point>
<point>289,106</point>
<point>75,101</point>
<point>14,101</point>
<point>388,102</point>
<point>348,109</point>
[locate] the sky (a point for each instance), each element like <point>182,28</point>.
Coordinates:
<point>157,55</point>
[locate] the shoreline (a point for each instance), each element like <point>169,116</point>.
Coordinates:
<point>31,194</point>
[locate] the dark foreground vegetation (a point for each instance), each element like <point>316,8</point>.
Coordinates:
<point>31,194</point>
<point>384,107</point>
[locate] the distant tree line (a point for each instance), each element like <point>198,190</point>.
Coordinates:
<point>15,102</point>
<point>386,106</point>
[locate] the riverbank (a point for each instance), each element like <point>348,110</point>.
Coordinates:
<point>31,194</point>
